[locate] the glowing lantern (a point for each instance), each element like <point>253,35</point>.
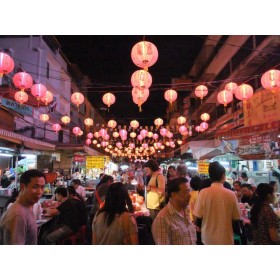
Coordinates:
<point>98,145</point>
<point>179,142</point>
<point>163,131</point>
<point>158,122</point>
<point>198,129</point>
<point>139,96</point>
<point>94,142</point>
<point>155,136</point>
<point>157,145</point>
<point>88,141</point>
<point>88,122</point>
<point>204,125</point>
<point>21,97</point>
<point>48,98</point>
<point>131,146</point>
<point>169,134</point>
<point>76,130</point>
<point>116,134</point>
<point>96,134</point>
<point>181,120</point>
<point>44,117</point>
<point>108,99</point>
<point>150,134</point>
<point>224,97</point>
<point>205,117</point>
<point>141,79</point>
<point>107,137</point>
<point>22,80</point>
<point>201,91</point>
<point>38,91</point>
<point>77,98</point>
<point>6,64</point>
<point>134,124</point>
<point>143,133</point>
<point>102,132</point>
<point>65,119</point>
<point>144,54</point>
<point>119,145</point>
<point>170,95</point>
<point>123,133</point>
<point>132,134</point>
<point>140,137</point>
<point>183,130</point>
<point>81,133</point>
<point>231,87</point>
<point>90,135</point>
<point>112,124</point>
<point>104,143</point>
<point>271,80</point>
<point>144,145</point>
<point>56,127</point>
<point>244,92</point>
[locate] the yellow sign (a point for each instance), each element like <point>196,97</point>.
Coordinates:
<point>203,167</point>
<point>96,161</point>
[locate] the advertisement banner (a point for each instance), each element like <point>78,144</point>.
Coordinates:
<point>202,167</point>
<point>20,108</point>
<point>96,161</point>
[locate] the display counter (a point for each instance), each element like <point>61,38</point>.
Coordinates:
<point>5,195</point>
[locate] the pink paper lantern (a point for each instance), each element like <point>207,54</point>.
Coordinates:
<point>183,129</point>
<point>244,92</point>
<point>102,132</point>
<point>155,136</point>
<point>271,80</point>
<point>198,129</point>
<point>108,99</point>
<point>77,98</point>
<point>38,91</point>
<point>76,130</point>
<point>204,125</point>
<point>163,132</point>
<point>123,133</point>
<point>131,145</point>
<point>141,79</point>
<point>231,87</point>
<point>143,133</point>
<point>201,91</point>
<point>56,127</point>
<point>140,137</point>
<point>119,145</point>
<point>48,98</point>
<point>170,95</point>
<point>144,54</point>
<point>22,80</point>
<point>88,141</point>
<point>90,135</point>
<point>144,145</point>
<point>21,97</point>
<point>169,134</point>
<point>225,97</point>
<point>6,64</point>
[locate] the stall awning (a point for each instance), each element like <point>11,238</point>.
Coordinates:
<point>26,141</point>
<point>73,148</point>
<point>202,148</point>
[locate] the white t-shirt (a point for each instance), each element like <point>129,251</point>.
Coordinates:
<point>81,191</point>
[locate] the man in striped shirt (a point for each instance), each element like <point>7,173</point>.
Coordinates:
<point>172,226</point>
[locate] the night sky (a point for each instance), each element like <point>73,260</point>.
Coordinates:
<point>107,61</point>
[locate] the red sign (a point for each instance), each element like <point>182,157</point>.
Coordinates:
<point>79,158</point>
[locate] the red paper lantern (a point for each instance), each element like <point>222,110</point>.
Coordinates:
<point>139,96</point>
<point>38,91</point>
<point>201,91</point>
<point>271,79</point>
<point>21,97</point>
<point>170,95</point>
<point>141,79</point>
<point>144,54</point>
<point>231,87</point>
<point>6,64</point>
<point>244,92</point>
<point>224,97</point>
<point>56,127</point>
<point>22,80</point>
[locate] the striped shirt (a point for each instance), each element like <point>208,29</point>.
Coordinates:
<point>171,228</point>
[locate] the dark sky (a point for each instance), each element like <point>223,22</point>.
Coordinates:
<point>107,61</point>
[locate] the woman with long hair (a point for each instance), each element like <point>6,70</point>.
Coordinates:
<point>114,223</point>
<point>264,221</point>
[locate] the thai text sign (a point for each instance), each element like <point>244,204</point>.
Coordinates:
<point>79,158</point>
<point>20,108</point>
<point>96,161</point>
<point>202,167</point>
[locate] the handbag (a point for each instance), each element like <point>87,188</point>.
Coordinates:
<point>161,197</point>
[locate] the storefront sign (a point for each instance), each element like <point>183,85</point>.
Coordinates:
<point>262,107</point>
<point>96,161</point>
<point>79,158</point>
<point>203,167</point>
<point>20,108</point>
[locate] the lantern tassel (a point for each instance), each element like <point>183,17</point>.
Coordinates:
<point>140,108</point>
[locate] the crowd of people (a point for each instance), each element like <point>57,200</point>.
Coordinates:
<point>183,209</point>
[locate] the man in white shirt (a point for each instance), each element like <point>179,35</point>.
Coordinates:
<point>79,188</point>
<point>217,208</point>
<point>247,180</point>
